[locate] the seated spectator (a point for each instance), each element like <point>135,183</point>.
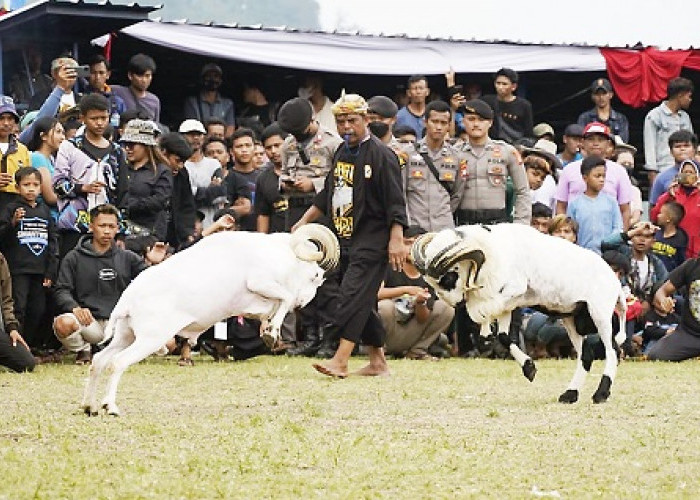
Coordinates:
<point>686,192</point>
<point>657,324</point>
<point>646,269</point>
<point>216,128</point>
<point>670,241</point>
<point>14,351</point>
<point>145,185</point>
<point>411,313</point>
<point>684,342</point>
<point>596,213</point>
<point>209,103</point>
<point>140,71</point>
<point>565,227</point>
<point>91,279</point>
<point>541,217</point>
<point>682,145</point>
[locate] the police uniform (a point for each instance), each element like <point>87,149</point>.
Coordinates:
<point>428,204</point>
<point>483,198</point>
<point>314,163</point>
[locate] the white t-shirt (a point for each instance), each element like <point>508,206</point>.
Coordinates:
<point>4,146</point>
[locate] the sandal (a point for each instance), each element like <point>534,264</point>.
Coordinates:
<point>420,356</point>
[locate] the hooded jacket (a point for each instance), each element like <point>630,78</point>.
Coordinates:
<point>95,281</point>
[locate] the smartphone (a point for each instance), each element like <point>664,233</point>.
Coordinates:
<point>82,71</point>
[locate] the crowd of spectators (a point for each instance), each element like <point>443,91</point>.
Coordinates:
<point>94,189</point>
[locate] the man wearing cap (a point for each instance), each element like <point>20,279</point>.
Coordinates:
<point>362,195</point>
<point>209,103</point>
<point>13,154</point>
<point>140,71</point>
<point>662,121</point>
<point>572,140</point>
<point>597,139</point>
<point>205,175</point>
<point>307,154</point>
<point>543,131</point>
<point>382,118</point>
<point>432,182</point>
<point>601,95</point>
<point>483,198</point>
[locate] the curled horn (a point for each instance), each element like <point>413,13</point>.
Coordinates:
<point>418,251</point>
<point>450,255</point>
<point>327,252</point>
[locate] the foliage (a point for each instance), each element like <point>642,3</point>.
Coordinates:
<point>272,427</point>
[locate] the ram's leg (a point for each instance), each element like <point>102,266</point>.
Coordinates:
<point>571,393</point>
<point>282,302</point>
<point>604,325</point>
<point>525,362</point>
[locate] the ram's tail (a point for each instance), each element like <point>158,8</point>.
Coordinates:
<point>315,242</point>
<point>621,309</point>
<point>119,314</point>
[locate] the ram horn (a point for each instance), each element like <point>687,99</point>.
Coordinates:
<point>456,252</point>
<point>418,251</point>
<point>327,251</point>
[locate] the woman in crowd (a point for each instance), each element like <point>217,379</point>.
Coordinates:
<point>47,136</point>
<point>144,187</point>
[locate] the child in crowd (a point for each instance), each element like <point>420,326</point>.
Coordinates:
<point>29,235</point>
<point>670,240</point>
<point>597,214</point>
<point>646,269</point>
<point>541,217</point>
<point>686,192</point>
<point>565,227</point>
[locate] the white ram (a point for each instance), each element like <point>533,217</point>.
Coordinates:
<point>261,276</point>
<point>499,268</point>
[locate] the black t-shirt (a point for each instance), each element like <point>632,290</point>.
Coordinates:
<point>513,119</point>
<point>269,201</point>
<point>249,222</point>
<point>395,279</point>
<point>688,275</point>
<point>94,151</point>
<point>671,250</point>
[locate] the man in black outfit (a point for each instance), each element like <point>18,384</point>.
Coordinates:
<point>364,199</point>
<point>513,113</point>
<point>270,205</point>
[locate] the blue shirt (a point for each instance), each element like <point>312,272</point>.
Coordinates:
<point>39,160</point>
<point>597,219</point>
<point>405,118</point>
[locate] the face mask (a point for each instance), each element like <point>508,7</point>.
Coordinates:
<point>304,92</point>
<point>210,84</point>
<point>380,129</point>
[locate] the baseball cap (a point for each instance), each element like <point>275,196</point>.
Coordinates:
<point>597,128</point>
<point>543,129</point>
<point>601,84</point>
<point>191,125</point>
<point>7,105</point>
<point>573,130</point>
<point>141,132</point>
<point>476,107</point>
<point>547,150</point>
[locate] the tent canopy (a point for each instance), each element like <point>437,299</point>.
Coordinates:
<point>358,54</point>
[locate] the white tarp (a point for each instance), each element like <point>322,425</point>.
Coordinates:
<point>370,55</point>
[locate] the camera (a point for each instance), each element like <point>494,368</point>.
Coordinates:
<point>81,71</point>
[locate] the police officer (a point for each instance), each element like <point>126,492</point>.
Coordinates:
<point>431,178</point>
<point>483,199</point>
<point>307,156</point>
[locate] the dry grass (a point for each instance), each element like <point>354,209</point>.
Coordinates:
<point>274,428</point>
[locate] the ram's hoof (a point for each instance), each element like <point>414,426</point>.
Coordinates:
<point>269,339</point>
<point>602,394</point>
<point>529,370</point>
<point>570,396</point>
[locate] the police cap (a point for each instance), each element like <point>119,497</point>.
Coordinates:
<point>383,106</point>
<point>477,107</point>
<point>295,116</point>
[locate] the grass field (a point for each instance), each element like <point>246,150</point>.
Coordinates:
<point>274,428</point>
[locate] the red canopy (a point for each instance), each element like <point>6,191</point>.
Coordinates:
<point>641,76</point>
